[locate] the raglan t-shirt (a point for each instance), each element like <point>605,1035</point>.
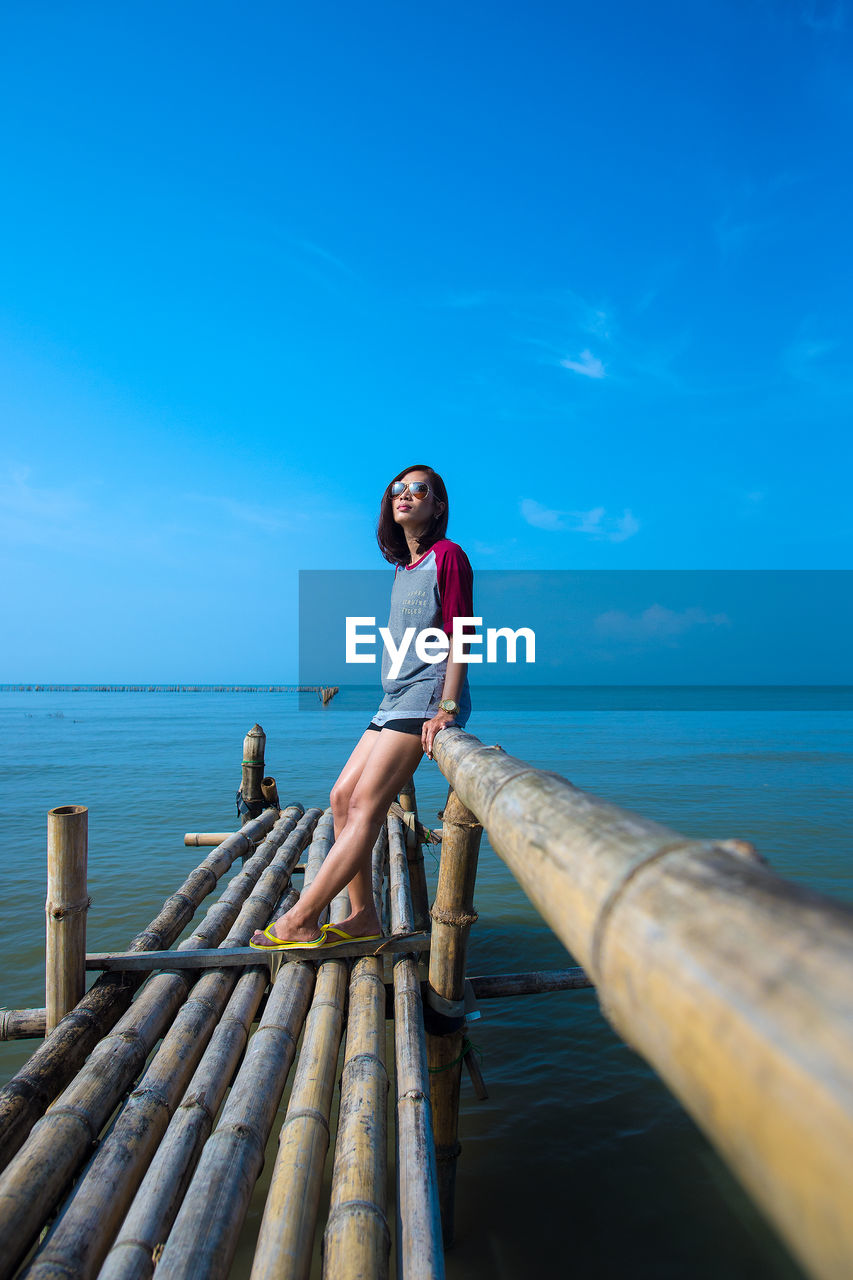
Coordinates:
<point>433,591</point>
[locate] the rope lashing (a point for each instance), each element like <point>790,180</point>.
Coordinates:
<point>468,1047</point>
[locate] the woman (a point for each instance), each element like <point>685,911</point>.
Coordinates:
<point>433,584</point>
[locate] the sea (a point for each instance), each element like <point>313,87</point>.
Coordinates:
<point>580,1157</point>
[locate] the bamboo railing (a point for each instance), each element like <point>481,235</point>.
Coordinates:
<point>733,983</point>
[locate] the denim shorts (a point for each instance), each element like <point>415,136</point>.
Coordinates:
<point>413,725</point>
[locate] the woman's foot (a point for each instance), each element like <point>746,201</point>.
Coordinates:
<point>361,924</point>
<point>287,930</point>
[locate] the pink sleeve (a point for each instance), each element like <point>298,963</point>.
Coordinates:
<point>455,586</point>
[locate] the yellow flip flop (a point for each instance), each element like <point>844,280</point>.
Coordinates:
<point>278,944</point>
<point>344,937</point>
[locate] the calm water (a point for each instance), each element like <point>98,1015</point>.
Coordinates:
<point>579,1151</point>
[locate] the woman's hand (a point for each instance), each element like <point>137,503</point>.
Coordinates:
<point>440,721</point>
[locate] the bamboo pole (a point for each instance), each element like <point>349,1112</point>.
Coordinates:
<point>202,839</point>
<point>496,986</point>
<point>286,1237</point>
<point>452,914</point>
<point>357,1241</point>
<point>269,791</point>
<point>251,790</point>
<point>150,1218</point>
<point>239,957</point>
<point>733,983</point>
<point>39,1175</point>
<point>415,856</point>
<point>89,1221</point>
<point>22,1024</point>
<point>65,909</point>
<point>379,870</point>
<point>419,1247</point>
<point>472,1066</point>
<point>55,1062</point>
<point>204,1237</point>
<point>425,835</point>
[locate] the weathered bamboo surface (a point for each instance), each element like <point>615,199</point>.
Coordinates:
<point>22,1024</point>
<point>42,1171</point>
<point>206,1229</point>
<point>206,958</point>
<point>56,1061</point>
<point>496,986</point>
<point>254,745</point>
<point>150,1217</point>
<point>734,984</point>
<point>65,910</point>
<point>28,1024</point>
<point>357,1240</point>
<point>415,855</point>
<point>419,1244</point>
<point>286,1237</point>
<point>453,915</point>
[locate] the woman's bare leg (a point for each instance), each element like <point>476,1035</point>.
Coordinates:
<point>388,766</point>
<point>362,911</point>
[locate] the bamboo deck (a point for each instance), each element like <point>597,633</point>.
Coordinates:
<point>135,1136</point>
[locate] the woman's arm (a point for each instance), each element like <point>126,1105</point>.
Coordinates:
<point>454,678</point>
<point>455,580</point>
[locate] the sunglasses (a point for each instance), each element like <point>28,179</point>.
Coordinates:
<point>417,488</point>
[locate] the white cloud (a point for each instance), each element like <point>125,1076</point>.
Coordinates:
<point>594,522</point>
<point>587,364</point>
<point>243,512</point>
<point>38,516</point>
<point>655,623</point>
<point>626,526</point>
<point>541,517</point>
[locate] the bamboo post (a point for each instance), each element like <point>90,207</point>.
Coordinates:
<point>419,1248</point>
<point>204,1237</point>
<point>269,792</point>
<point>453,914</point>
<point>65,909</point>
<point>357,1241</point>
<point>733,983</point>
<point>55,1062</point>
<point>250,797</point>
<point>415,855</point>
<point>36,1179</point>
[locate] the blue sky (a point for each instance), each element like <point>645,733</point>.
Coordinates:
<point>590,262</point>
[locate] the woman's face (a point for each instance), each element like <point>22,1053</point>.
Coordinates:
<point>414,514</point>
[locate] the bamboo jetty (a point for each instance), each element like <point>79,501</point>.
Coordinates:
<point>134,1137</point>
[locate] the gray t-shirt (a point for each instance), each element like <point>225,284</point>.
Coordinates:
<point>433,591</point>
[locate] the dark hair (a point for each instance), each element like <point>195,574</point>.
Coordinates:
<point>389,535</point>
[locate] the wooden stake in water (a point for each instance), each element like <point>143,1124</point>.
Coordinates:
<point>254,745</point>
<point>415,855</point>
<point>65,909</point>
